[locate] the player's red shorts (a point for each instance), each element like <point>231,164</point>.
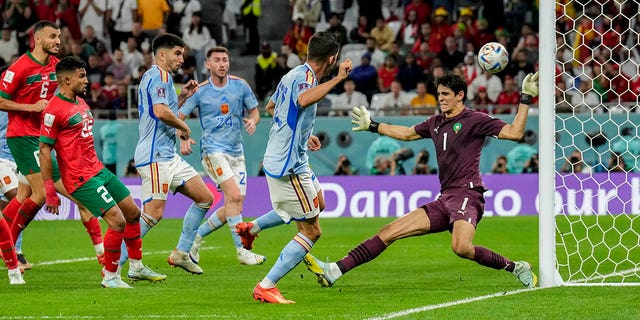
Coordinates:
<point>456,204</point>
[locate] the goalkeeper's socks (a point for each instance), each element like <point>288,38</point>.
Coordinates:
<point>233,221</point>
<point>289,258</point>
<point>112,243</point>
<point>11,210</point>
<point>94,230</point>
<point>26,213</point>
<point>190,226</point>
<point>363,253</point>
<point>268,220</point>
<point>488,258</point>
<point>211,224</point>
<point>6,245</point>
<point>133,241</point>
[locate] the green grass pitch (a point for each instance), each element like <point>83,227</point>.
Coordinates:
<point>420,272</point>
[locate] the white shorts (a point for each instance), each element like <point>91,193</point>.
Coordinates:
<point>220,167</point>
<point>8,176</point>
<point>295,196</point>
<point>160,177</point>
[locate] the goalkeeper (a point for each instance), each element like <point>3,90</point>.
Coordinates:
<point>458,134</point>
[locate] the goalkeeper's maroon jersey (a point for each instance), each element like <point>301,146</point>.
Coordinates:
<point>67,126</point>
<point>27,81</point>
<point>458,143</point>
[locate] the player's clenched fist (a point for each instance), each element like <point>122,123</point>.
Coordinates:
<point>345,68</point>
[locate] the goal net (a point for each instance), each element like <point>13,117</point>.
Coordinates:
<point>597,142</point>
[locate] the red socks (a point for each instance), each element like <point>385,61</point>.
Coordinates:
<point>112,243</point>
<point>11,210</point>
<point>94,230</point>
<point>6,246</point>
<point>26,213</point>
<point>133,241</point>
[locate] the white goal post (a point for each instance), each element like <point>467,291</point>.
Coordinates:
<point>594,239</point>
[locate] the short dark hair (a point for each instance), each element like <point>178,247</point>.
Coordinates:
<point>322,45</point>
<point>217,49</point>
<point>454,82</point>
<point>166,41</point>
<point>43,24</point>
<point>69,64</point>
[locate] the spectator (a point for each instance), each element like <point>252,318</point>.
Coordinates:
<point>24,28</point>
<point>627,145</point>
<point>383,166</point>
<point>574,164</point>
<point>519,67</point>
<point>198,39</point>
<point>509,96</point>
<point>91,14</point>
<point>410,30</point>
<point>372,9</point>
<point>436,72</point>
<point>424,57</point>
<point>110,89</point>
<point>423,103</point>
<point>522,152</point>
<point>309,10</point>
<point>95,74</point>
<point>377,55</point>
<point>133,57</point>
<point>89,41</point>
<point>396,52</point>
<point>43,9</point>
<point>466,24</point>
<point>409,73</point>
<point>297,37</point>
<point>422,164</point>
<point>396,101</point>
<point>349,99</point>
<point>458,30</point>
<point>67,14</point>
<point>422,10</point>
<point>104,57</point>
<point>185,9</point>
<point>440,30</point>
<point>343,166</point>
<point>386,74</point>
<point>8,44</point>
<point>292,60</point>
<point>250,11</point>
<point>142,39</point>
<point>122,14</point>
<point>490,82</point>
<point>383,146</point>
<point>96,99</point>
<point>531,166</point>
<point>13,12</point>
<point>121,71</point>
<point>153,16</point>
<point>483,34</point>
<point>450,56</point>
<point>265,74</point>
<point>481,101</point>
<point>361,32</point>
<point>383,35</point>
<point>500,166</point>
<point>365,76</point>
<point>470,68</point>
<point>423,37</point>
<point>212,18</point>
<point>337,28</point>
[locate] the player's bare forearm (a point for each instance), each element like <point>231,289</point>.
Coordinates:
<point>8,105</point>
<point>45,161</point>
<point>165,115</point>
<point>271,107</point>
<point>254,115</point>
<point>316,94</point>
<point>515,130</point>
<point>398,132</point>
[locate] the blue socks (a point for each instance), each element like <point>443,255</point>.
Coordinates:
<point>232,222</point>
<point>190,226</point>
<point>211,224</point>
<point>289,258</point>
<point>268,220</point>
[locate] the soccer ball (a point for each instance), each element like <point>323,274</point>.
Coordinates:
<point>493,57</point>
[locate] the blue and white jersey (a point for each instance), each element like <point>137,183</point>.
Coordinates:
<point>157,141</point>
<point>221,110</point>
<point>292,125</point>
<point>4,148</point>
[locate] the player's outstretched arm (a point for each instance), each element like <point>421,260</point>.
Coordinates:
<point>165,115</point>
<point>361,118</point>
<point>515,130</point>
<point>8,105</point>
<point>316,94</point>
<point>46,165</point>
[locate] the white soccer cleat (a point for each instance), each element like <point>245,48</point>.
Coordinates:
<point>145,273</point>
<point>193,253</point>
<point>247,257</point>
<point>114,282</point>
<point>181,259</point>
<point>525,274</point>
<point>15,277</point>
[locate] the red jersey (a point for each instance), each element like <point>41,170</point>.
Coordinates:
<point>67,126</point>
<point>27,81</point>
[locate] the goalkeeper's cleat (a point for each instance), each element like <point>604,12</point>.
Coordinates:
<point>145,273</point>
<point>525,274</point>
<point>15,277</point>
<point>114,282</point>
<point>101,259</point>
<point>23,263</point>
<point>271,295</point>
<point>320,269</point>
<point>243,229</point>
<point>181,259</point>
<point>247,257</point>
<point>193,253</point>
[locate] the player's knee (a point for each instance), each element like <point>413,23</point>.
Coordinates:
<point>233,196</point>
<point>463,250</point>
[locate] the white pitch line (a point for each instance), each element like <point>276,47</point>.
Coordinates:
<point>448,304</point>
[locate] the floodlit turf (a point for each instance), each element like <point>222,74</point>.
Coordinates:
<point>420,272</point>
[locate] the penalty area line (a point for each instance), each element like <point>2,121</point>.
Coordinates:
<point>449,304</point>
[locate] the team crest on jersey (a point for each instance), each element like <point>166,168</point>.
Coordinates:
<point>219,171</point>
<point>224,108</point>
<point>7,180</point>
<point>8,76</point>
<point>48,119</point>
<point>303,86</point>
<point>165,187</point>
<point>457,127</point>
<point>161,92</point>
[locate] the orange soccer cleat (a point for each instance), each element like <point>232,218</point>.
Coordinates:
<point>271,295</point>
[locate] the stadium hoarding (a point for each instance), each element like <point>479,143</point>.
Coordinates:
<point>392,196</point>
